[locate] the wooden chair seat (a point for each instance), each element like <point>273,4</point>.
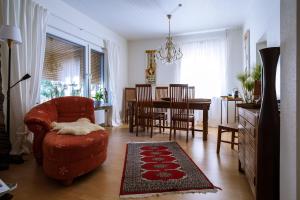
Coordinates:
<point>233,128</point>
<point>183,117</point>
<point>153,115</point>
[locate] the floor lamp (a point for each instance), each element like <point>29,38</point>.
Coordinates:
<point>11,35</point>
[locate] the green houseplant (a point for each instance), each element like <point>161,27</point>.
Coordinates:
<point>99,96</point>
<point>249,82</point>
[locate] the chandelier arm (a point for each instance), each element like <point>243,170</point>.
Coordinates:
<point>169,17</point>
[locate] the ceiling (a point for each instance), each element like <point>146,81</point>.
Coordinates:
<point>139,19</point>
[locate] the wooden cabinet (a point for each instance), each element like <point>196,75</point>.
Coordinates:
<point>248,126</point>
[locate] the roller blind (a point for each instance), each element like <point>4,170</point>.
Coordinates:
<point>57,53</point>
<point>97,59</point>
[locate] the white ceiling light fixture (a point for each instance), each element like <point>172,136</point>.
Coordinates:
<point>169,52</point>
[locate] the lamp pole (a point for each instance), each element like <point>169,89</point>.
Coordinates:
<point>12,35</point>
<point>9,42</point>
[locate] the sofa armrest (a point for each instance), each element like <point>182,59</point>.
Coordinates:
<point>34,121</point>
<point>38,120</point>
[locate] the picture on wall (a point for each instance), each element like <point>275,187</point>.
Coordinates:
<point>246,44</point>
<point>150,72</point>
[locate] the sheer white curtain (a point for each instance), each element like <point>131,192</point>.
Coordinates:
<point>28,57</point>
<point>70,73</point>
<point>204,65</point>
<point>115,89</point>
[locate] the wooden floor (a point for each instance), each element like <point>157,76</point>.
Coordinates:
<point>104,182</point>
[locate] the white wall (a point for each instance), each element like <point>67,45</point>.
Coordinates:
<point>167,74</point>
<point>290,103</point>
<point>69,23</point>
<point>263,21</point>
<point>235,57</point>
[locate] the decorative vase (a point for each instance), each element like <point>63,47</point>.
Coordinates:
<point>267,184</point>
<point>257,89</point>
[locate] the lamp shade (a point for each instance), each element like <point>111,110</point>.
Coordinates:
<point>8,32</point>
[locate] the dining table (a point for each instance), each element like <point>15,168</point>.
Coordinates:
<point>194,104</point>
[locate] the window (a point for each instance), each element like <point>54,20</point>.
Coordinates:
<point>97,72</point>
<point>203,66</point>
<point>63,72</point>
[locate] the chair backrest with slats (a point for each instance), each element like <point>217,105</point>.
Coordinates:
<point>161,92</point>
<point>191,92</point>
<point>191,96</point>
<point>129,95</point>
<point>179,100</point>
<point>144,99</point>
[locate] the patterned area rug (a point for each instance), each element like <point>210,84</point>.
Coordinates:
<point>160,168</point>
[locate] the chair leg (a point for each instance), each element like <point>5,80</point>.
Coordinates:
<point>187,136</point>
<point>232,139</point>
<point>151,128</point>
<point>187,132</point>
<point>126,116</point>
<point>164,120</point>
<point>147,125</point>
<point>174,127</point>
<point>171,127</point>
<point>219,139</point>
<point>159,124</point>
<point>193,128</point>
<point>137,126</point>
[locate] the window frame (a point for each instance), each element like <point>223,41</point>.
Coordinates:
<point>103,69</point>
<point>88,47</point>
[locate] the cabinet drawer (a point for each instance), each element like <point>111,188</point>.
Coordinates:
<point>249,116</point>
<point>249,127</point>
<point>252,143</point>
<point>251,179</point>
<point>250,160</point>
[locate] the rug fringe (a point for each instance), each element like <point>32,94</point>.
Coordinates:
<point>167,141</point>
<point>134,196</point>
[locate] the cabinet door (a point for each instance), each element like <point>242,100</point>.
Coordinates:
<point>250,155</point>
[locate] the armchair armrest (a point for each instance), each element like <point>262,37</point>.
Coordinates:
<point>38,121</point>
<point>39,117</point>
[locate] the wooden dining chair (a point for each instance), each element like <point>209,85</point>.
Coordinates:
<point>180,115</point>
<point>231,128</point>
<point>191,92</point>
<point>162,92</point>
<point>144,114</point>
<point>191,96</point>
<point>129,94</point>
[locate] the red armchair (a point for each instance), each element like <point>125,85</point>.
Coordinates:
<point>65,157</point>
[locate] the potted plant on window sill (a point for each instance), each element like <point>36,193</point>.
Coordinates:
<point>99,97</point>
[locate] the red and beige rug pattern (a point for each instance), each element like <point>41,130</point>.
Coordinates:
<point>160,168</point>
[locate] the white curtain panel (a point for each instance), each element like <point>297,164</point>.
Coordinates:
<point>27,57</point>
<point>115,89</point>
<point>204,65</point>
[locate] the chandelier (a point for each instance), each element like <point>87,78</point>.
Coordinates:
<point>169,52</point>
